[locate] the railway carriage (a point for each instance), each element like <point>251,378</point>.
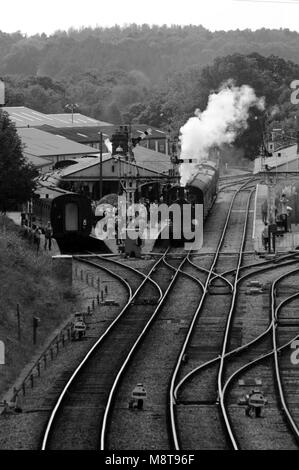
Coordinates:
<point>70,214</point>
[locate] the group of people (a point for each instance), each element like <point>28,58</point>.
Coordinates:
<point>137,217</point>
<point>34,234</point>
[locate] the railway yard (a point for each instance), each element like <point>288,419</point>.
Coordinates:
<point>198,330</point>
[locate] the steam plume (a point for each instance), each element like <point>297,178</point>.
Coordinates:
<point>225,116</point>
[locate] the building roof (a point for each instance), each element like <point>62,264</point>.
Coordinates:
<point>26,117</point>
<point>152,160</point>
<point>43,144</point>
<point>83,135</point>
<point>38,162</point>
<point>79,120</point>
<point>144,158</point>
<point>87,134</point>
<point>86,165</point>
<point>83,164</point>
<point>137,129</point>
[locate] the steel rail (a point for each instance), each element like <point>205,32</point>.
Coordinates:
<point>275,311</point>
<point>174,434</point>
<point>93,348</point>
<point>131,268</point>
<point>236,350</point>
<point>274,351</point>
<point>227,331</point>
<point>108,407</point>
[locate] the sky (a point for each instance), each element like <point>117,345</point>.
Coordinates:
<point>37,16</point>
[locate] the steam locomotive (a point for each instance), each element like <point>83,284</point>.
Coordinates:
<point>201,189</point>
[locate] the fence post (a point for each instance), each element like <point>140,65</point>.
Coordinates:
<point>19,322</point>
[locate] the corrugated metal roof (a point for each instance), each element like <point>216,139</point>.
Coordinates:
<point>91,134</point>
<point>79,120</point>
<point>78,134</point>
<point>43,144</point>
<point>24,117</point>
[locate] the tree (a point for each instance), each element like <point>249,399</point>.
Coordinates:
<point>16,175</point>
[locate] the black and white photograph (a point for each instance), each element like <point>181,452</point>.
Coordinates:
<point>149,229</point>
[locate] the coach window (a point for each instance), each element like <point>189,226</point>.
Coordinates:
<point>71,217</point>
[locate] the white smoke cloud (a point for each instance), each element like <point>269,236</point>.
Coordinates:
<point>225,116</point>
<point>108,145</point>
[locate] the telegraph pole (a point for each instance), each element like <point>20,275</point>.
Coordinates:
<point>101,165</point>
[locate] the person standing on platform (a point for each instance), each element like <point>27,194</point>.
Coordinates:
<point>284,212</point>
<point>265,236</point>
<point>48,236</point>
<point>264,211</point>
<point>36,238</point>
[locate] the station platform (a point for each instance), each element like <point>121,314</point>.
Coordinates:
<point>287,242</point>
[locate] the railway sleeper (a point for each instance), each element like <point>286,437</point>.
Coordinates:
<point>219,290</point>
<point>196,402</point>
<point>288,323</point>
<point>146,301</point>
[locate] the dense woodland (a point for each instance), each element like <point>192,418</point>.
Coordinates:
<point>155,75</point>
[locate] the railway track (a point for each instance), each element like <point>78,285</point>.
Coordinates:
<point>152,365</point>
<point>260,358</point>
<point>241,357</point>
<point>208,336</point>
<point>81,408</point>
